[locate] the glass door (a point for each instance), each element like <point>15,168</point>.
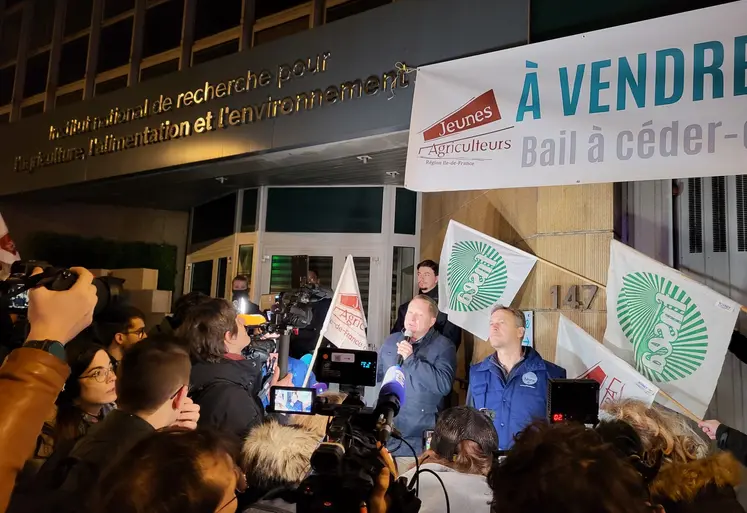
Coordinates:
<point>327,264</point>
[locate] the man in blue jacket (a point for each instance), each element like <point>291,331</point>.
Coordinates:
<point>429,367</point>
<point>511,384</point>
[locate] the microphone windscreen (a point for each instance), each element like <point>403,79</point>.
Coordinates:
<point>408,334</point>
<point>394,384</point>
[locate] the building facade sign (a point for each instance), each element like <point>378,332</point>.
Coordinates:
<point>214,118</point>
<point>665,98</point>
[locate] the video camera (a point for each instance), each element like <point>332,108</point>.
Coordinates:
<point>345,466</point>
<point>14,290</point>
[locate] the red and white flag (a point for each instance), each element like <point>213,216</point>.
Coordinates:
<point>8,251</point>
<point>583,357</point>
<point>345,325</point>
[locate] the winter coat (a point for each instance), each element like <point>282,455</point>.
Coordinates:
<point>516,402</point>
<point>30,380</point>
<point>228,395</point>
<point>429,377</point>
<point>468,493</point>
<point>443,326</point>
<point>700,486</point>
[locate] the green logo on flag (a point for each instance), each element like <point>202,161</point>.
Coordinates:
<point>664,325</point>
<point>476,276</point>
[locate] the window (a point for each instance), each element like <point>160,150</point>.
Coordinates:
<point>403,278</point>
<point>363,273</point>
<point>36,75</point>
<point>220,279</point>
<point>209,20</point>
<point>163,27</point>
<point>215,52</point>
<point>268,7</point>
<point>246,257</point>
<point>7,77</point>
<point>69,98</point>
<point>113,8</point>
<point>10,31</point>
<point>281,274</point>
<point>335,209</point>
<point>5,118</point>
<point>157,70</point>
<point>280,31</point>
<point>31,110</point>
<point>115,45</point>
<point>202,277</point>
<point>111,85</point>
<point>41,29</point>
<point>214,220</point>
<point>73,61</point>
<point>405,211</point>
<point>77,16</point>
<point>249,211</point>
<point>352,8</point>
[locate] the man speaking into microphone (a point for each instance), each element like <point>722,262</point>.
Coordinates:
<point>428,361</point>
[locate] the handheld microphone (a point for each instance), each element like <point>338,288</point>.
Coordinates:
<point>408,337</point>
<point>391,398</point>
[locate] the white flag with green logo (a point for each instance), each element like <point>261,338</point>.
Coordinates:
<point>476,273</point>
<point>672,329</point>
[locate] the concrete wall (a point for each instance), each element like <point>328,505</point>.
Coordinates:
<point>115,223</point>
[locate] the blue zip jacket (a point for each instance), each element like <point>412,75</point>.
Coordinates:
<point>517,401</point>
<point>429,376</point>
<point>298,368</point>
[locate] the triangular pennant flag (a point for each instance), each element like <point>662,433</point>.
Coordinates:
<point>8,251</point>
<point>480,272</point>
<point>345,325</point>
<point>583,357</point>
<point>672,329</point>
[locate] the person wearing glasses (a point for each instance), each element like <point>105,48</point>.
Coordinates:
<point>152,386</point>
<point>120,329</point>
<point>88,395</point>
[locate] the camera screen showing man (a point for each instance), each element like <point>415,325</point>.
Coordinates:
<point>293,400</point>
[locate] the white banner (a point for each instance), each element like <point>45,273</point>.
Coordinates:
<point>8,251</point>
<point>664,98</point>
<point>673,330</point>
<point>583,357</point>
<point>345,325</point>
<point>480,272</point>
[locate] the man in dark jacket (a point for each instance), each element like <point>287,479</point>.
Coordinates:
<point>224,383</point>
<point>428,285</point>
<point>511,384</point>
<point>152,389</point>
<point>429,366</point>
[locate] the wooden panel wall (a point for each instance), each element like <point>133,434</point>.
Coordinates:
<point>570,226</point>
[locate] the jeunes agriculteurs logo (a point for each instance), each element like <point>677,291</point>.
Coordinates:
<point>668,333</point>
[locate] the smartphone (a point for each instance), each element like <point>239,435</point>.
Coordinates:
<point>296,400</point>
<point>427,436</point>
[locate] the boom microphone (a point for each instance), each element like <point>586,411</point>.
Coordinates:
<point>391,398</point>
<point>408,337</point>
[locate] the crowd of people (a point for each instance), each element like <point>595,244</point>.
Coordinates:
<point>97,415</point>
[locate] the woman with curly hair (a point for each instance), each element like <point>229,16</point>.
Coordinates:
<point>690,479</point>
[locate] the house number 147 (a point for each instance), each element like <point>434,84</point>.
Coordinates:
<point>572,299</point>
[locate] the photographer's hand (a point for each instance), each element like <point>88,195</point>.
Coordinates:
<point>379,502</point>
<point>61,315</point>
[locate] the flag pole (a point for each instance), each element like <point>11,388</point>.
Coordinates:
<point>589,280</point>
<point>687,412</point>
